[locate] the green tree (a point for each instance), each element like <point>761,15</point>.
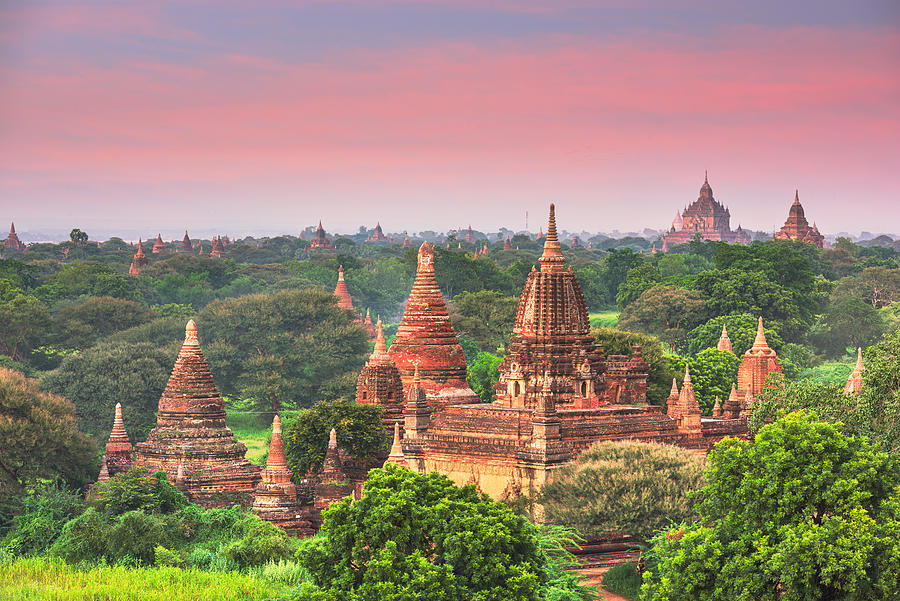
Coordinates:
<point>741,331</point>
<point>485,317</point>
<point>850,322</point>
<point>98,378</point>
<point>664,311</point>
<point>803,512</point>
<point>619,342</point>
<point>359,431</point>
<point>40,441</point>
<point>633,488</point>
<point>79,239</point>
<point>80,326</point>
<point>24,322</point>
<point>285,349</point>
<point>415,536</point>
<point>712,374</point>
<point>483,375</point>
<point>639,280</point>
<point>877,286</point>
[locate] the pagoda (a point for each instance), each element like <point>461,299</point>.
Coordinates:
<point>320,240</point>
<point>854,381</point>
<point>119,452</point>
<point>507,245</point>
<point>377,235</point>
<point>707,217</point>
<point>405,241</point>
<point>186,246</point>
<point>218,249</point>
<point>367,324</point>
<point>724,343</point>
<point>275,499</point>
<point>12,240</point>
<point>191,436</point>
<point>756,365</point>
<point>470,235</point>
<point>797,227</point>
<point>426,339</point>
<point>552,335</point>
<point>343,294</point>
<point>139,260</point>
<point>379,382</point>
<point>159,247</point>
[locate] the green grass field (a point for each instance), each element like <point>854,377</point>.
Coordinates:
<point>254,430</point>
<point>46,579</point>
<point>604,319</point>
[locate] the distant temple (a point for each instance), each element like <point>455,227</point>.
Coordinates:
<point>405,241</point>
<point>797,227</point>
<point>470,236</point>
<point>507,245</point>
<point>186,246</point>
<point>118,457</point>
<point>758,362</point>
<point>854,381</point>
<point>320,240</point>
<point>12,240</point>
<point>139,260</point>
<point>724,343</point>
<point>367,324</point>
<point>707,217</point>
<point>218,248</point>
<point>159,247</point>
<point>377,235</point>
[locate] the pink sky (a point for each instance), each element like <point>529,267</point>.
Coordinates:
<point>119,115</point>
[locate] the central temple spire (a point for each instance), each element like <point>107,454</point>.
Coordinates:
<point>552,259</point>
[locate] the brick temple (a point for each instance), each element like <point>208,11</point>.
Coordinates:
<point>378,235</point>
<point>159,247</point>
<point>12,240</point>
<point>191,442</point>
<point>757,363</point>
<point>426,339</point>
<point>320,240</point>
<point>218,248</point>
<point>797,227</point>
<point>139,260</point>
<point>186,246</point>
<point>707,217</point>
<point>854,380</point>
<point>379,382</point>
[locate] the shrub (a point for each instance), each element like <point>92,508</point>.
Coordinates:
<point>138,534</point>
<point>137,489</point>
<point>82,539</point>
<point>262,543</point>
<point>44,514</point>
<point>166,557</point>
<point>623,579</point>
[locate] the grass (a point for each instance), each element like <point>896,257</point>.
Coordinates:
<point>48,579</point>
<point>623,580</point>
<point>254,430</point>
<point>604,319</point>
<point>830,372</point>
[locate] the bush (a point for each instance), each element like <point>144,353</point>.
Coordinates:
<point>137,489</point>
<point>83,539</point>
<point>137,534</point>
<point>483,374</point>
<point>624,579</point>
<point>262,543</point>
<point>165,557</point>
<point>44,513</point>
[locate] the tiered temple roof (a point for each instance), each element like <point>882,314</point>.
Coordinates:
<point>367,324</point>
<point>705,216</point>
<point>218,249</point>
<point>377,235</point>
<point>724,343</point>
<point>341,291</point>
<point>12,240</point>
<point>854,381</point>
<point>470,235</point>
<point>159,247</point>
<point>191,434</point>
<point>552,335</point>
<point>797,227</point>
<point>507,245</point>
<point>276,496</point>
<point>119,452</point>
<point>426,339</point>
<point>758,362</point>
<point>320,240</point>
<point>186,246</point>
<point>139,260</point>
<point>379,382</point>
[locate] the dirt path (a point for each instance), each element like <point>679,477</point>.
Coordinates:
<point>594,577</point>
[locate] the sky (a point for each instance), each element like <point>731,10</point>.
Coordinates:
<point>247,117</point>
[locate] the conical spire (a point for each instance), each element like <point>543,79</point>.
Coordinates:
<point>854,382</point>
<point>396,457</point>
<point>140,251</point>
<point>674,391</point>
<point>276,458</point>
<point>379,355</point>
<point>796,197</point>
<point>760,344</point>
<point>724,341</point>
<point>341,291</point>
<point>118,433</point>
<point>12,228</point>
<point>717,408</point>
<point>552,258</point>
<point>118,456</point>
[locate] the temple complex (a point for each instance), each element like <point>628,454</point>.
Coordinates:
<point>724,343</point>
<point>379,382</point>
<point>218,248</point>
<point>320,240</point>
<point>159,247</point>
<point>707,217</point>
<point>275,499</point>
<point>186,246</point>
<point>191,437</point>
<point>854,381</point>
<point>119,452</point>
<point>139,260</point>
<point>797,227</point>
<point>758,362</point>
<point>378,235</point>
<point>12,240</point>
<point>425,339</point>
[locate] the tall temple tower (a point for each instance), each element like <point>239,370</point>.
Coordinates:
<point>320,240</point>
<point>139,260</point>
<point>186,246</point>
<point>159,247</point>
<point>426,339</point>
<point>758,362</point>
<point>797,227</point>
<point>191,435</point>
<point>379,382</point>
<point>707,217</point>
<point>12,240</point>
<point>552,336</point>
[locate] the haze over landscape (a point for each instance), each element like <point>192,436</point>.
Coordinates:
<point>235,117</point>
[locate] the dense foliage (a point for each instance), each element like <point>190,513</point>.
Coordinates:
<point>803,512</point>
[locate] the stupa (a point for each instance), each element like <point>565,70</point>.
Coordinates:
<point>190,432</point>
<point>854,381</point>
<point>276,496</point>
<point>379,382</point>
<point>707,217</point>
<point>218,249</point>
<point>186,246</point>
<point>797,227</point>
<point>12,240</point>
<point>552,335</point>
<point>470,235</point>
<point>724,343</point>
<point>119,453</point>
<point>758,362</point>
<point>377,235</point>
<point>507,245</point>
<point>342,293</point>
<point>139,260</point>
<point>320,240</point>
<point>426,339</point>
<point>367,324</point>
<point>159,247</point>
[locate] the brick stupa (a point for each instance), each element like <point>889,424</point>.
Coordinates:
<point>756,365</point>
<point>854,381</point>
<point>426,338</point>
<point>552,335</point>
<point>379,382</point>
<point>797,227</point>
<point>191,434</point>
<point>119,453</point>
<point>369,326</point>
<point>707,217</point>
<point>377,235</point>
<point>186,246</point>
<point>724,343</point>
<point>159,247</point>
<point>12,240</point>
<point>139,260</point>
<point>276,495</point>
<point>320,240</point>
<point>218,249</point>
<point>342,293</point>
